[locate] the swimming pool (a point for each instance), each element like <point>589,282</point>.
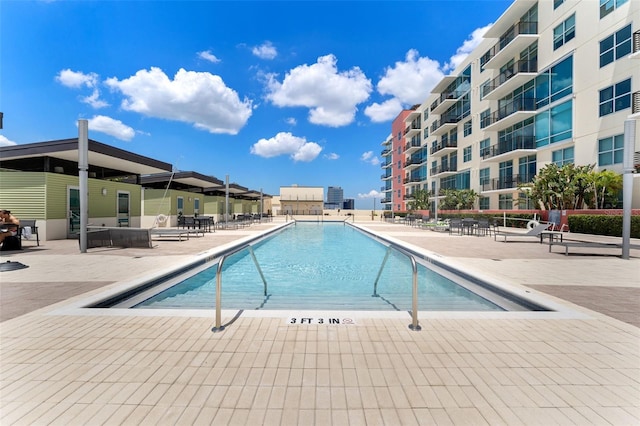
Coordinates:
<point>312,266</point>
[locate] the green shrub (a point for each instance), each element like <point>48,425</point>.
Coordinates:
<point>602,225</point>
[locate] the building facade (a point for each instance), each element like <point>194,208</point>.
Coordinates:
<point>335,198</point>
<point>553,81</point>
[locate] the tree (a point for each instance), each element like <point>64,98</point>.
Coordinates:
<point>420,200</point>
<point>572,187</point>
<point>458,199</point>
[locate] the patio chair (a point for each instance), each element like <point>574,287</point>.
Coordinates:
<point>455,225</point>
<point>31,224</point>
<point>483,228</point>
<point>535,232</point>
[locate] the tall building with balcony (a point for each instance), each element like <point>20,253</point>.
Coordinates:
<point>552,82</point>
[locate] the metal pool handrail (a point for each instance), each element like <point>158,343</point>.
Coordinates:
<point>219,326</point>
<point>414,303</point>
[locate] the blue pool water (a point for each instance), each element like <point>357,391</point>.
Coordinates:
<point>318,266</point>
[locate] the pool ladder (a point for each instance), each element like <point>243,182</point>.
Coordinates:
<point>414,298</point>
<point>219,326</point>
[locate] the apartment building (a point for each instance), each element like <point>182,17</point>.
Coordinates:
<point>553,81</point>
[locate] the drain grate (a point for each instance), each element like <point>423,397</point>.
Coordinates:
<point>11,266</point>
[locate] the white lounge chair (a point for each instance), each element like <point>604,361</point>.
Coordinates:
<point>535,232</point>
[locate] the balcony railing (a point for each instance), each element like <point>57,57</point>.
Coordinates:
<point>413,143</point>
<point>518,104</point>
<point>447,96</point>
<point>415,125</point>
<point>506,182</point>
<point>385,152</point>
<point>443,168</point>
<point>412,161</point>
<point>636,41</point>
<point>509,35</point>
<point>635,102</point>
<point>447,119</point>
<point>516,68</point>
<point>443,145</point>
<point>412,179</point>
<point>512,144</point>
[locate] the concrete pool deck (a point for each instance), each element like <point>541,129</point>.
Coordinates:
<point>157,369</point>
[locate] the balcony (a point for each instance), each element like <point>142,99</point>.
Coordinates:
<point>386,164</point>
<point>386,176</point>
<point>443,170</point>
<point>636,45</point>
<point>509,182</point>
<point>635,103</point>
<point>510,79</point>
<point>513,41</point>
<point>412,179</point>
<point>386,200</point>
<point>512,148</point>
<point>412,163</point>
<point>509,114</point>
<point>445,101</point>
<point>443,148</point>
<point>413,145</point>
<point>444,124</point>
<point>385,152</point>
<point>413,128</point>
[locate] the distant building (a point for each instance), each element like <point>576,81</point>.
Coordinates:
<point>349,204</point>
<point>301,199</point>
<point>335,198</point>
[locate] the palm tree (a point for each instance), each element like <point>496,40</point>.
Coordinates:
<point>420,200</point>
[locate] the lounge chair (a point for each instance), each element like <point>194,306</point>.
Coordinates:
<point>535,232</point>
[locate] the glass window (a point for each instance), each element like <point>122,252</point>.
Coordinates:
<point>554,83</point>
<point>557,3</point>
<point>484,147</point>
<point>505,202</point>
<point>615,98</point>
<point>485,118</point>
<point>526,168</point>
<point>467,128</point>
<point>554,124</point>
<point>562,156</point>
<point>608,6</point>
<point>564,32</point>
<point>611,150</point>
<point>616,46</point>
<point>484,176</point>
<point>180,205</point>
<point>466,156</point>
<point>483,203</point>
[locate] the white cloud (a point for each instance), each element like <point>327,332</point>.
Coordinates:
<point>371,194</point>
<point>285,143</point>
<point>200,98</point>
<point>6,142</point>
<point>110,126</point>
<point>369,157</point>
<point>94,100</point>
<point>77,79</point>
<point>331,96</point>
<point>208,56</point>
<point>265,51</point>
<point>386,111</point>
<point>412,80</point>
<point>332,156</point>
<point>291,121</point>
<point>475,38</point>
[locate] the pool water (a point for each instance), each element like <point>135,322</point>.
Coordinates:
<point>312,266</point>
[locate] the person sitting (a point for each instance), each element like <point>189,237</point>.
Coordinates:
<point>9,225</point>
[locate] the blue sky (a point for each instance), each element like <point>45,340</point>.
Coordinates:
<point>271,93</point>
